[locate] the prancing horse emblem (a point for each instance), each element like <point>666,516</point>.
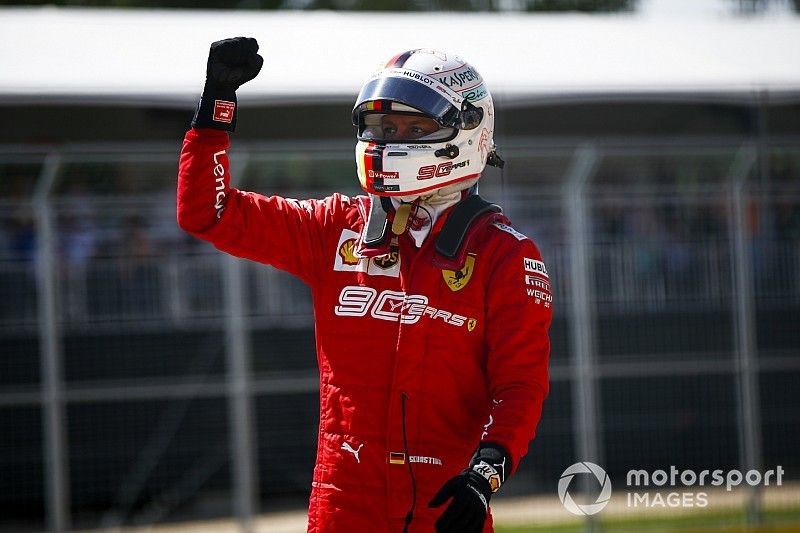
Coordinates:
<point>458,279</point>
<point>346,447</point>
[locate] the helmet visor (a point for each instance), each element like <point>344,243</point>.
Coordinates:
<point>405,91</point>
<point>402,127</point>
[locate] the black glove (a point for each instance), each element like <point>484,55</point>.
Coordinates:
<point>471,491</point>
<point>231,63</point>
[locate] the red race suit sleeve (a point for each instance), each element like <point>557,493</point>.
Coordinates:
<point>285,233</point>
<point>519,312</point>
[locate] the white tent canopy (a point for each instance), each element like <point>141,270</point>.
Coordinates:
<point>158,57</point>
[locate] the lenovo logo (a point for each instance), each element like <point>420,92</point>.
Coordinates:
<point>219,180</point>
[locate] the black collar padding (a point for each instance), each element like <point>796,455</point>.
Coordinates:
<point>455,228</point>
<point>377,224</point>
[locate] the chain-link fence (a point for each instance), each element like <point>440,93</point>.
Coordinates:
<point>146,377</point>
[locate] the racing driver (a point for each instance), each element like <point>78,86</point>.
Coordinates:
<point>432,312</point>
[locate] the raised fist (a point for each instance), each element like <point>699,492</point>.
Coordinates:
<point>231,63</point>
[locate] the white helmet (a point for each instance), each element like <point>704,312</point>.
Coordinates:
<point>423,85</point>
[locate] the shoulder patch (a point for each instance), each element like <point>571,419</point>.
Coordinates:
<point>509,229</point>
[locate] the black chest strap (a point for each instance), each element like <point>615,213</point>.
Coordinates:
<point>455,228</point>
<point>377,224</point>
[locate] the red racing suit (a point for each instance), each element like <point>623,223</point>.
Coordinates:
<point>417,364</point>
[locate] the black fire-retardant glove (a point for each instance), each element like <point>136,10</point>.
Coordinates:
<point>231,63</point>
<point>469,492</point>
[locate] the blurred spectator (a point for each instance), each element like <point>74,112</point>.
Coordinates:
<point>139,273</point>
<point>786,257</point>
<point>77,228</point>
<point>21,237</point>
<point>610,223</point>
<point>79,241</point>
<point>78,246</point>
<point>679,253</point>
<point>646,232</point>
<point>17,229</point>
<point>18,241</point>
<point>787,221</point>
<point>135,242</point>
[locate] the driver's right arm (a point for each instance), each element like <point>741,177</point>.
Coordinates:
<point>287,234</point>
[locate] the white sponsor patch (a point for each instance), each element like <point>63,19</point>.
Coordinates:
<point>536,266</point>
<point>223,111</point>
<point>347,258</point>
<point>509,229</point>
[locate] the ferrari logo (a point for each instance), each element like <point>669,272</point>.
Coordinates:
<point>458,279</point>
<point>471,323</point>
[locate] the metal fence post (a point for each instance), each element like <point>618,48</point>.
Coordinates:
<point>585,399</point>
<point>55,454</point>
<point>749,414</point>
<point>241,433</point>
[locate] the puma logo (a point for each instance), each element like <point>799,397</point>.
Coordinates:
<point>346,447</point>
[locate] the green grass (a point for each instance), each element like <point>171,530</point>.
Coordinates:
<point>774,521</point>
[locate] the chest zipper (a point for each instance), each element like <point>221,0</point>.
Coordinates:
<point>404,398</point>
<point>410,514</point>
